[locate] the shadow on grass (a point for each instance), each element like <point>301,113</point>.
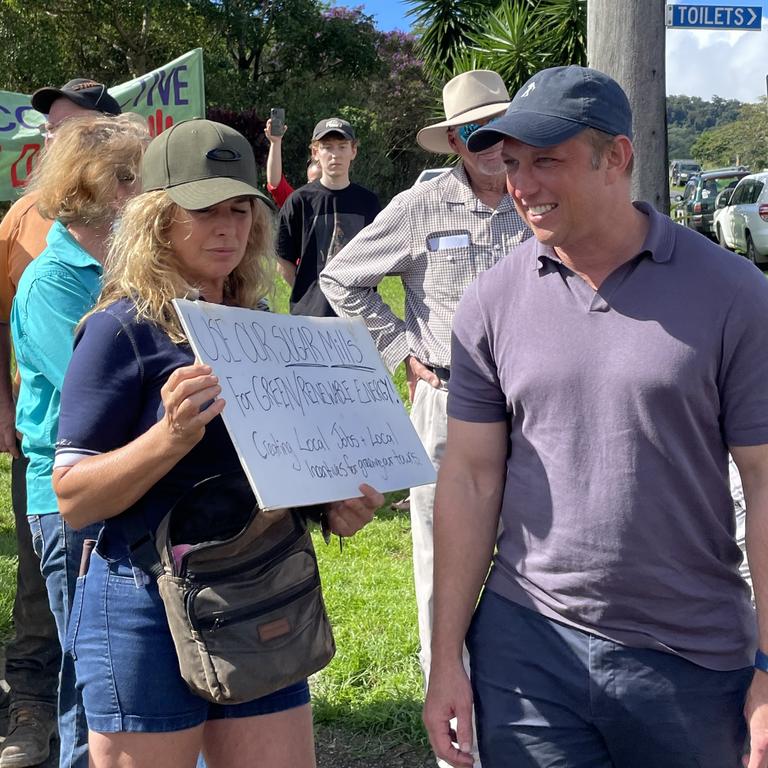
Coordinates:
<point>375,728</point>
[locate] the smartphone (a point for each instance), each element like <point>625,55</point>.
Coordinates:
<point>277,116</point>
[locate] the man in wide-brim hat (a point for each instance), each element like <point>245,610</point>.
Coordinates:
<point>470,98</point>
<point>437,236</point>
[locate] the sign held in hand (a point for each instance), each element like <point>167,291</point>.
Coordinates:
<point>310,408</point>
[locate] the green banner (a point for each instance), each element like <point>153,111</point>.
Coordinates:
<point>165,96</point>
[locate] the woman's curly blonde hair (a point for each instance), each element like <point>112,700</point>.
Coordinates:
<point>142,266</point>
<point>79,173</point>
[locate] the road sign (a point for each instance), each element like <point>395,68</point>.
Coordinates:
<point>684,16</point>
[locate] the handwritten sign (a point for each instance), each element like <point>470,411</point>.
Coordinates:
<point>310,408</point>
<point>165,96</point>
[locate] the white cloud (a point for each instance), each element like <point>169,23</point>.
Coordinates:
<point>706,63</point>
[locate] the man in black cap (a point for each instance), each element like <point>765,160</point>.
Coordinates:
<point>76,98</point>
<point>33,657</point>
<point>321,217</point>
<point>601,373</point>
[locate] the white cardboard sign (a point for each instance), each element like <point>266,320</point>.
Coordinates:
<point>310,408</point>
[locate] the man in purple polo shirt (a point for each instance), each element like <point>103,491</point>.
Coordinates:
<point>600,375</point>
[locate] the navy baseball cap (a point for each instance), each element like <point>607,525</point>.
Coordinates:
<point>555,105</point>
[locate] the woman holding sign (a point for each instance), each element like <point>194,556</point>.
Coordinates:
<point>139,428</point>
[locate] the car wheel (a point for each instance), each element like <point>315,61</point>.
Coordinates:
<point>751,252</point>
<point>720,238</point>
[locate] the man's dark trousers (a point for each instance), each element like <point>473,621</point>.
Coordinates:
<point>33,656</point>
<point>548,695</point>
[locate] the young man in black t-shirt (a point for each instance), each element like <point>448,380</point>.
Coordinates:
<point>320,218</point>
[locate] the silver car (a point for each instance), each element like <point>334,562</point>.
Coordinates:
<point>741,217</point>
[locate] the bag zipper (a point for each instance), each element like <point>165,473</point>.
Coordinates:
<point>216,622</point>
<point>224,573</point>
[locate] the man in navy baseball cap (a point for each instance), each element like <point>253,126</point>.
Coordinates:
<point>555,105</point>
<point>601,373</point>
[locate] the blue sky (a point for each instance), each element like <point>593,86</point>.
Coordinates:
<point>390,14</point>
<point>701,63</point>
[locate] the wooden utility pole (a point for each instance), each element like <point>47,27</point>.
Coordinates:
<point>626,41</point>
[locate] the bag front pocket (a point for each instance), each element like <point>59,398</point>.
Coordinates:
<point>211,604</point>
<point>264,632</point>
<point>251,653</point>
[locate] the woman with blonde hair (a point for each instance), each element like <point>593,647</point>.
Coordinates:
<point>139,428</point>
<point>82,182</point>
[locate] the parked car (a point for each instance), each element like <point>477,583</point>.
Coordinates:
<point>682,170</point>
<point>741,217</point>
<point>697,203</point>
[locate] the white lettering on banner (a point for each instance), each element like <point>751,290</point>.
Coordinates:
<point>310,408</point>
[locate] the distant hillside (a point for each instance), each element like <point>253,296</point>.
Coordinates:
<point>689,116</point>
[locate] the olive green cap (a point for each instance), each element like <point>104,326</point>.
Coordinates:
<point>200,163</point>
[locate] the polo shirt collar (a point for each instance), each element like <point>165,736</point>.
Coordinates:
<point>68,250</point>
<point>660,238</point>
<point>658,244</point>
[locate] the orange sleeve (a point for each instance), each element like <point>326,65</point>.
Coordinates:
<point>22,238</point>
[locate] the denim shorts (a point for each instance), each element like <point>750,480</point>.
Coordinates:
<point>126,663</point>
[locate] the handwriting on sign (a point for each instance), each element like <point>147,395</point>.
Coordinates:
<point>310,407</point>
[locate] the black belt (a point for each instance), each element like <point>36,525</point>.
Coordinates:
<point>444,374</point>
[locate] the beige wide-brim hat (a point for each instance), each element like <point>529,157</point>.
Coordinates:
<point>470,96</point>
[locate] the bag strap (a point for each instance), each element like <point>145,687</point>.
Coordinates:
<point>141,541</point>
<point>141,546</point>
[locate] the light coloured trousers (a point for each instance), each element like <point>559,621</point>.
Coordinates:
<point>430,420</point>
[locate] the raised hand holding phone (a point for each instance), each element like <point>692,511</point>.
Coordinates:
<point>277,121</point>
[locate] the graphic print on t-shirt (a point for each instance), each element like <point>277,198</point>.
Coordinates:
<point>332,231</point>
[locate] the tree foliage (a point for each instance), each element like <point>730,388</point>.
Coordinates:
<point>445,29</point>
<point>512,37</point>
<point>699,115</point>
<point>311,59</point>
<point>46,43</point>
<point>689,116</point>
<point>741,142</point>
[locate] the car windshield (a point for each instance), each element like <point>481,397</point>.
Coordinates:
<point>689,167</point>
<point>712,187</point>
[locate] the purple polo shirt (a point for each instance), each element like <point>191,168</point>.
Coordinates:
<point>621,402</point>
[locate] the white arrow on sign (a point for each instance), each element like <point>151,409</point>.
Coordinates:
<point>754,16</point>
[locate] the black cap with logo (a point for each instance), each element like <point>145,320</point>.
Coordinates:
<point>333,125</point>
<point>81,91</point>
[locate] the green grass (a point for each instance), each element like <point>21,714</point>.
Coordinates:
<point>7,549</point>
<point>374,683</point>
<point>373,686</point>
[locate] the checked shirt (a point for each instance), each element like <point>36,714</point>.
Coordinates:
<point>437,237</point>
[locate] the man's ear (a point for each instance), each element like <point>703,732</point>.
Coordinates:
<point>452,140</point>
<point>354,149</point>
<point>619,155</point>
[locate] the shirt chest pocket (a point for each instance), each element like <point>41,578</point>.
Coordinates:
<point>450,270</point>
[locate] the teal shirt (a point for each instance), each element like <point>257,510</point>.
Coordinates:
<point>55,291</point>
